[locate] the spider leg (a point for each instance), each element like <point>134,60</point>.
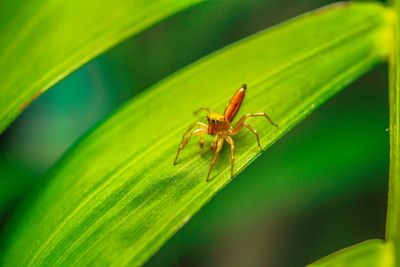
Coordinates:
<point>201,131</point>
<point>230,141</point>
<point>255,132</point>
<point>219,146</point>
<point>214,143</point>
<point>201,141</point>
<point>200,124</point>
<point>240,123</point>
<point>203,108</point>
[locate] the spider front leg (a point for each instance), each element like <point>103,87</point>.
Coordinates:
<point>201,132</point>
<point>230,141</point>
<point>203,108</point>
<point>220,142</point>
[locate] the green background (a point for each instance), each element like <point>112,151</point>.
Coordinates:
<point>332,168</point>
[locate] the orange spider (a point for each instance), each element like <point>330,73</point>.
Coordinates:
<point>219,126</point>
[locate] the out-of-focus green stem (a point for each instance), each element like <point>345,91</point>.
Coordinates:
<point>393,212</point>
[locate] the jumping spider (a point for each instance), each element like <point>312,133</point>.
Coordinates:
<point>219,126</point>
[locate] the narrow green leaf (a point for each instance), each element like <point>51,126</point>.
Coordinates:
<point>116,197</point>
<point>393,211</point>
<point>43,41</point>
<point>371,253</point>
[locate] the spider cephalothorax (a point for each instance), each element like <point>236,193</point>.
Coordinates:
<point>219,126</point>
<point>217,123</point>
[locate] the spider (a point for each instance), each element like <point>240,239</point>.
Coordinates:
<point>219,126</point>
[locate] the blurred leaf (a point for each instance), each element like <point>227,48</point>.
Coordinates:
<point>116,197</point>
<point>371,253</point>
<point>43,41</point>
<point>14,179</point>
<point>393,211</point>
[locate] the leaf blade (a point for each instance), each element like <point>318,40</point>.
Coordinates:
<point>368,253</point>
<point>393,217</point>
<point>124,190</point>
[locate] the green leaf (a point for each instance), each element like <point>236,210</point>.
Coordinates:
<point>115,198</point>
<point>43,41</point>
<point>371,253</point>
<point>393,211</point>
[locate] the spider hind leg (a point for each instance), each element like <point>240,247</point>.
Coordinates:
<point>230,141</point>
<point>255,133</point>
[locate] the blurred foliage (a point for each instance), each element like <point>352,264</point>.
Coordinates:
<point>53,38</point>
<point>356,167</point>
<point>40,46</point>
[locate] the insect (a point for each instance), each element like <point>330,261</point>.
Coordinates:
<point>220,126</point>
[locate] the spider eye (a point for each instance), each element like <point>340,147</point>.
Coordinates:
<point>213,121</point>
